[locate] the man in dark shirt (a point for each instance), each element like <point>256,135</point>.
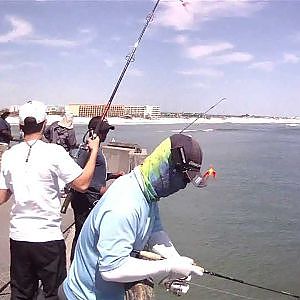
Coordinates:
<point>82,203</point>
<point>5,132</point>
<point>62,133</point>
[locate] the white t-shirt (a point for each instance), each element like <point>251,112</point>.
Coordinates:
<point>35,214</point>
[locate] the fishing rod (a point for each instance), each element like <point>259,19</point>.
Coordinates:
<point>4,287</point>
<point>129,59</point>
<point>202,115</point>
<point>251,284</point>
<point>83,151</point>
<point>154,256</point>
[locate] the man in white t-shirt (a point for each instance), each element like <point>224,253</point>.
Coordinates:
<point>31,171</point>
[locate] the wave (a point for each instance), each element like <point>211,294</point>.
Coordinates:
<point>187,130</point>
<point>292,125</point>
<point>207,130</point>
<point>193,130</point>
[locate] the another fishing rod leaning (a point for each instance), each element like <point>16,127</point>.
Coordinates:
<point>83,153</point>
<point>202,115</point>
<point>4,287</point>
<point>154,256</point>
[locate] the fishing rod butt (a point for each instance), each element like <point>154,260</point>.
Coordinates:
<point>66,203</point>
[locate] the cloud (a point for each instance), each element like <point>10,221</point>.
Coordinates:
<point>54,42</point>
<point>7,67</point>
<point>207,72</point>
<point>175,15</point>
<point>109,62</point>
<point>7,53</point>
<point>295,37</point>
<point>135,72</point>
<point>180,39</point>
<point>20,29</point>
<point>85,30</point>
<point>290,58</point>
<point>266,66</point>
<point>234,57</point>
<point>116,38</point>
<point>199,51</point>
<point>23,32</point>
<point>86,36</point>
<point>201,85</point>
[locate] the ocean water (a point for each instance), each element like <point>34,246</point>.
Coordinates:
<point>246,223</point>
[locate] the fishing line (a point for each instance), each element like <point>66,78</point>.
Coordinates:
<point>202,115</point>
<point>222,291</point>
<point>4,287</point>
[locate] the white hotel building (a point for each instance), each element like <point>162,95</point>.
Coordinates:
<point>118,110</point>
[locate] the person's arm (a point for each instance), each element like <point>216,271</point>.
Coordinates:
<point>72,139</point>
<point>47,133</point>
<point>138,269</point>
<point>160,243</point>
<point>6,134</point>
<point>4,195</point>
<point>114,175</point>
<point>82,182</point>
<point>5,192</point>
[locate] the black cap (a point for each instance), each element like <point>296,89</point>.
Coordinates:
<point>105,126</point>
<point>186,152</point>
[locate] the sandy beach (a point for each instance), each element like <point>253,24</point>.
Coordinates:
<point>136,121</point>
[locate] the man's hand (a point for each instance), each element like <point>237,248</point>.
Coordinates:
<point>181,266</point>
<point>114,175</point>
<point>93,144</point>
<point>119,174</point>
<point>180,272</point>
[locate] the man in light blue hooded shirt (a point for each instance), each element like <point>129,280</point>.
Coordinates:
<point>126,219</point>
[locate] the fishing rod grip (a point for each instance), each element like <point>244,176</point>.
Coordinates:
<point>150,255</point>
<point>66,203</point>
<point>153,256</point>
<point>94,133</point>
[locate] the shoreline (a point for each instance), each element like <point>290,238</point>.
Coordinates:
<point>168,121</point>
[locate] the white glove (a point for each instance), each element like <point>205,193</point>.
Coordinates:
<point>177,287</point>
<point>181,267</point>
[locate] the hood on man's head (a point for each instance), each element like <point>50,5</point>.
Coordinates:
<point>32,109</point>
<point>186,151</point>
<point>66,121</point>
<point>105,126</point>
<point>163,172</point>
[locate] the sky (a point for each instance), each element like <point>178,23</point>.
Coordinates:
<point>192,54</point>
